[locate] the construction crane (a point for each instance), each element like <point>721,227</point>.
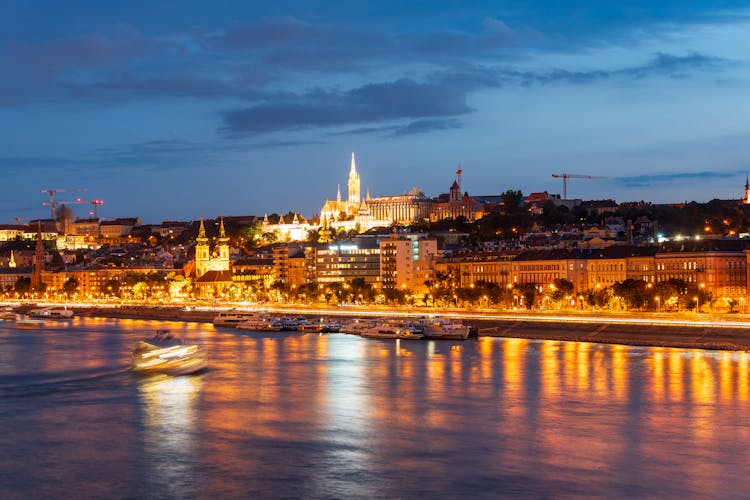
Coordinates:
<point>52,203</point>
<point>565,178</point>
<point>94,206</point>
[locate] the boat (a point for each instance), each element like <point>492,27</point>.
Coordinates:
<point>234,317</point>
<point>393,329</point>
<point>357,326</point>
<point>28,323</point>
<point>446,329</point>
<point>261,324</point>
<point>165,354</point>
<point>311,326</point>
<point>51,313</point>
<point>291,324</point>
<point>7,315</point>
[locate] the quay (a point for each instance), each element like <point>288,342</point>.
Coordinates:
<point>678,331</point>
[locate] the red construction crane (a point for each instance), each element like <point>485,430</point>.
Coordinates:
<point>52,203</point>
<point>565,178</point>
<point>94,206</point>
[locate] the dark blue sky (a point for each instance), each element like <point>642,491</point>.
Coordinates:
<point>180,109</point>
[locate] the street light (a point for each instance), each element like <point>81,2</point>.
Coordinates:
<point>658,304</point>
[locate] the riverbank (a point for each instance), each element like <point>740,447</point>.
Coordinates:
<point>694,331</point>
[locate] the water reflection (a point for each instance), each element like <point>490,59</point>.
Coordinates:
<point>339,416</point>
<point>170,429</point>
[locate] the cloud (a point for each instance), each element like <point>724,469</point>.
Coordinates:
<point>409,128</point>
<point>269,32</point>
<point>176,85</point>
<point>666,65</point>
<point>404,98</point>
<point>49,58</point>
<point>651,179</point>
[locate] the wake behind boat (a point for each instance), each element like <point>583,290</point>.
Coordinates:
<point>165,354</point>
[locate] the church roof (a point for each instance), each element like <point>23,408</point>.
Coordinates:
<point>215,277</point>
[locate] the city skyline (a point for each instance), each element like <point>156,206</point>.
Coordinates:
<point>182,110</point>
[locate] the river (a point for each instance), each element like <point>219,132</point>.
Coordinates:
<point>334,416</point>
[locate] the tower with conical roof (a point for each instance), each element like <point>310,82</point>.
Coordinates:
<point>354,184</point>
<point>204,261</point>
<point>746,199</point>
<point>222,259</point>
<point>202,255</point>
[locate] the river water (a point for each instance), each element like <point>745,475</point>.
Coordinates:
<point>334,416</point>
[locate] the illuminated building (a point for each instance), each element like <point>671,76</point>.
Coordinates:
<point>289,264</point>
<point>117,228</point>
<point>204,261</point>
<point>454,204</point>
<point>406,261</point>
<point>343,262</point>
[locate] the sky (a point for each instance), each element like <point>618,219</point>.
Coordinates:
<point>176,110</point>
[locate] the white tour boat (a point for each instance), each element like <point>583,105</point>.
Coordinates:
<point>165,354</point>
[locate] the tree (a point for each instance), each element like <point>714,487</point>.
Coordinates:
<point>528,291</point>
<point>512,200</point>
<point>561,288</point>
<point>22,285</point>
<point>70,286</point>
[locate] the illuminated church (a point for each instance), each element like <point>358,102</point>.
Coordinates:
<point>338,210</point>
<point>204,261</point>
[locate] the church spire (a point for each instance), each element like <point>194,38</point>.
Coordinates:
<point>202,231</point>
<point>353,184</point>
<point>746,199</point>
<point>338,192</point>
<point>222,233</point>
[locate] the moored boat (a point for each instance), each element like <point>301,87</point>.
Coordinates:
<point>446,329</point>
<point>51,313</point>
<point>310,327</point>
<point>357,326</point>
<point>234,317</point>
<point>261,324</point>
<point>165,354</point>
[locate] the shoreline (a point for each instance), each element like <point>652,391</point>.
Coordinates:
<point>624,329</point>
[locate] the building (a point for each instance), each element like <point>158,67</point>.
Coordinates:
<point>86,227</point>
<point>344,261</point>
<point>454,204</point>
<point>407,261</point>
<point>295,230</point>
<point>117,228</point>
<point>204,260</point>
<point>404,209</point>
<point>338,209</point>
<point>289,265</point>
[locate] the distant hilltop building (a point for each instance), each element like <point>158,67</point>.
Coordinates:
<point>361,214</point>
<point>338,209</point>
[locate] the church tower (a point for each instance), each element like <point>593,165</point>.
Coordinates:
<point>222,263</point>
<point>746,198</point>
<point>353,184</point>
<point>202,256</point>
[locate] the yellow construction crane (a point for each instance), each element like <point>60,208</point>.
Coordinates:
<point>565,178</point>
